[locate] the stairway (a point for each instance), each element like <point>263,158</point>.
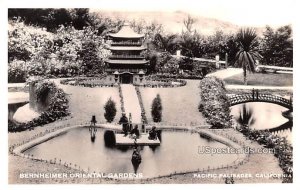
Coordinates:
<point>131,102</point>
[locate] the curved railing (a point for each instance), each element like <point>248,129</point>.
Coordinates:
<point>244,98</point>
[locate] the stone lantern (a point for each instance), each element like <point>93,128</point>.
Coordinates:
<point>116,73</point>
<point>141,75</point>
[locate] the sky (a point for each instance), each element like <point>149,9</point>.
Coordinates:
<point>240,12</point>
<point>249,13</point>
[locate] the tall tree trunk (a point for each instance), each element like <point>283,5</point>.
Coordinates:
<point>245,75</point>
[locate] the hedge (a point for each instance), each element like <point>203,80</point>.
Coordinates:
<point>214,104</point>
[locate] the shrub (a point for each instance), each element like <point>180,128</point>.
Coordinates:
<point>110,110</point>
<point>16,72</point>
<point>156,110</point>
<point>215,105</point>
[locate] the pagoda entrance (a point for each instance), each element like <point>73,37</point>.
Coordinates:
<point>126,78</point>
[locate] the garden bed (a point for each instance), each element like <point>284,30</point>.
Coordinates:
<point>90,82</point>
<point>283,150</point>
<point>214,103</point>
<point>155,81</point>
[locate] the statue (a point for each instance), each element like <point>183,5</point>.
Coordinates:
<point>124,122</point>
<point>152,134</point>
<point>135,131</point>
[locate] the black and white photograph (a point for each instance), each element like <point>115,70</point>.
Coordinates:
<point>190,93</point>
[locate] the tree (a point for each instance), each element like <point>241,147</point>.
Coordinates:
<point>277,46</point>
<point>248,54</point>
<point>110,110</point>
<point>188,23</point>
<point>156,110</point>
<point>165,43</point>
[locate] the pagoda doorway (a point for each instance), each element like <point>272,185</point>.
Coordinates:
<point>126,78</point>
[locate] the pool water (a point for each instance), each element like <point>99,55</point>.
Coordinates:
<point>177,152</point>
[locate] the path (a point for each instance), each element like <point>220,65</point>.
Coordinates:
<point>225,73</point>
<point>250,87</point>
<point>17,97</point>
<point>131,102</point>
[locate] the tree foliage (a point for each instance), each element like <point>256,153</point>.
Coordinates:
<point>277,46</point>
<point>156,110</point>
<point>67,52</point>
<point>52,19</point>
<point>248,53</point>
<point>110,110</point>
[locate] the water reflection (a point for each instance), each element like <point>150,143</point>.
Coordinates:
<point>178,152</point>
<point>93,132</point>
<point>264,116</point>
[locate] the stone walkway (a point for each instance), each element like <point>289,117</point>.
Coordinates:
<point>249,87</point>
<point>225,73</point>
<point>17,97</point>
<point>131,102</point>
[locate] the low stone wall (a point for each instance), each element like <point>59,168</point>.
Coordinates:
<point>18,149</point>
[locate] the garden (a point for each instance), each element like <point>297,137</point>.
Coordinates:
<point>67,47</point>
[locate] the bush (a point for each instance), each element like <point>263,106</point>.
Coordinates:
<point>110,110</point>
<point>215,105</point>
<point>16,72</point>
<point>156,110</point>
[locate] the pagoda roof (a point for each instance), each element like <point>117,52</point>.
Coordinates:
<point>126,32</point>
<point>127,47</point>
<point>122,61</point>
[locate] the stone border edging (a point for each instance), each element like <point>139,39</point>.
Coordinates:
<point>61,130</point>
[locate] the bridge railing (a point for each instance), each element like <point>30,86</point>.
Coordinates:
<point>252,97</point>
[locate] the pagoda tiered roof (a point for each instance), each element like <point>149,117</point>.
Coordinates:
<point>126,32</point>
<point>131,62</point>
<point>127,48</point>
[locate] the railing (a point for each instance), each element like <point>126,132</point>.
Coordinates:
<point>123,70</point>
<point>243,98</point>
<point>125,43</point>
<point>127,56</point>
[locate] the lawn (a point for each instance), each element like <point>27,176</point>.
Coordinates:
<point>262,79</point>
<point>85,102</point>
<point>180,104</point>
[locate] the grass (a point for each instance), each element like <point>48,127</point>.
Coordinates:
<point>85,102</point>
<point>180,105</point>
<point>262,79</point>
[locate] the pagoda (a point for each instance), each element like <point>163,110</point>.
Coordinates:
<point>126,64</point>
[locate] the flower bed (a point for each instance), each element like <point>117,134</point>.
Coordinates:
<point>214,103</point>
<point>90,82</point>
<point>121,98</point>
<point>58,108</point>
<point>283,150</point>
<point>143,112</point>
<point>155,81</point>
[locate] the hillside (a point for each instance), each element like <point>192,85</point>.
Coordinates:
<point>173,21</point>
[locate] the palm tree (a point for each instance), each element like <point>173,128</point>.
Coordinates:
<point>248,53</point>
<point>165,43</point>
